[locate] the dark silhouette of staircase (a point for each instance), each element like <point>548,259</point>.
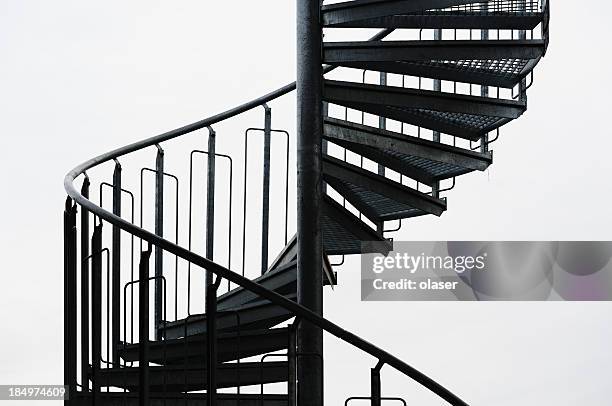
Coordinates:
<point>122,344</point>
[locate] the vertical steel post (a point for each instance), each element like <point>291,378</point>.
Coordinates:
<point>70,298</point>
<point>309,191</point>
<point>211,291</point>
<point>437,84</point>
<point>375,386</point>
<point>96,311</point>
<point>484,90</point>
<point>292,358</point>
<point>143,329</point>
<point>159,230</point>
<point>210,196</point>
<point>382,121</point>
<point>211,343</point>
<point>116,268</point>
<point>382,124</point>
<point>265,205</point>
<point>85,289</point>
<point>324,145</point>
<point>523,36</point>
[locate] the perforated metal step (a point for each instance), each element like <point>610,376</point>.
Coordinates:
<point>341,53</point>
<point>192,350</point>
<point>181,399</point>
<point>355,10</point>
<point>464,116</point>
<point>281,280</point>
<point>180,378</point>
<point>451,20</point>
<point>255,315</point>
<point>345,234</point>
<point>422,160</point>
<point>505,73</point>
<point>377,197</point>
<point>352,13</point>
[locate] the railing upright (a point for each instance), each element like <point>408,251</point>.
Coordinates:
<point>211,287</point>
<point>375,385</point>
<point>484,90</point>
<point>143,329</point>
<point>159,230</point>
<point>70,298</point>
<point>382,124</point>
<point>292,358</point>
<point>116,268</point>
<point>437,84</point>
<point>85,289</point>
<point>265,206</point>
<point>96,311</point>
<point>210,195</point>
<point>522,36</point>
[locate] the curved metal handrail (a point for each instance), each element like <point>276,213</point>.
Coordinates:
<point>296,309</point>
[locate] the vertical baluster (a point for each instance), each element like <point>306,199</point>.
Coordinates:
<point>292,357</point>
<point>211,287</point>
<point>143,328</point>
<point>484,90</point>
<point>324,148</point>
<point>116,268</point>
<point>522,4</point>
<point>96,310</point>
<point>70,298</point>
<point>375,385</point>
<point>85,289</point>
<point>382,124</point>
<point>437,83</point>
<point>265,206</point>
<point>211,340</point>
<point>210,196</point>
<point>159,230</point>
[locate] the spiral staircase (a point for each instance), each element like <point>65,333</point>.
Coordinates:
<point>122,344</point>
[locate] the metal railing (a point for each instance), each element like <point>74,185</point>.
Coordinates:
<point>99,296</point>
<point>156,246</point>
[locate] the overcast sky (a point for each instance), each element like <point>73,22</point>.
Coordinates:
<point>80,78</point>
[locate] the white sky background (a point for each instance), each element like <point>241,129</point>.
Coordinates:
<point>80,78</point>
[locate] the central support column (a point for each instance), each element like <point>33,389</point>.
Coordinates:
<point>309,200</point>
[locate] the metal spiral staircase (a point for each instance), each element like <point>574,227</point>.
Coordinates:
<point>153,319</point>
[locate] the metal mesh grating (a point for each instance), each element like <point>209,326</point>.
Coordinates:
<point>439,170</point>
<point>505,72</point>
<point>336,239</point>
<point>497,6</point>
<point>381,205</point>
<point>467,121</point>
<point>504,67</point>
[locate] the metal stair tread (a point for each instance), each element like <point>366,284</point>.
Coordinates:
<point>183,399</point>
<point>423,160</point>
<point>343,52</point>
<point>230,346</point>
<point>188,378</point>
<point>379,198</point>
<point>345,234</point>
<point>254,315</point>
<point>448,19</point>
<point>505,73</point>
<point>468,126</point>
<point>359,9</point>
<point>349,94</point>
<point>279,279</point>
